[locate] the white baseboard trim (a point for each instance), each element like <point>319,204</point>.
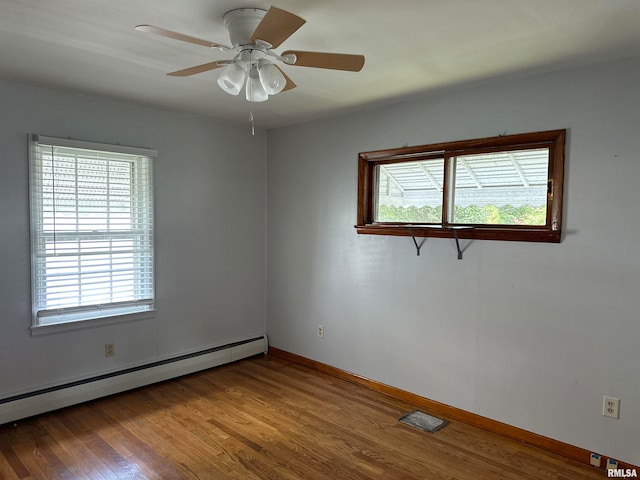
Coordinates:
<point>48,399</point>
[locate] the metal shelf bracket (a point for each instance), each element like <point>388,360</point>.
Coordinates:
<point>454,230</point>
<point>415,242</point>
<point>455,236</point>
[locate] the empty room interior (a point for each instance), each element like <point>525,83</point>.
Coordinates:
<point>249,240</point>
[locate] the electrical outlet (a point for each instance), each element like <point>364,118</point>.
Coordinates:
<point>109,350</point>
<point>611,407</point>
<point>320,331</point>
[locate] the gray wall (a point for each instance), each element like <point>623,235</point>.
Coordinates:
<point>528,334</point>
<point>210,232</point>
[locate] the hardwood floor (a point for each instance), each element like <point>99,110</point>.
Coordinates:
<point>262,418</point>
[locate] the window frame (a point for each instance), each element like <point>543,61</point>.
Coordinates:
<point>74,316</point>
<point>554,140</point>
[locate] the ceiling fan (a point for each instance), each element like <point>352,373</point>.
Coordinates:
<point>254,33</point>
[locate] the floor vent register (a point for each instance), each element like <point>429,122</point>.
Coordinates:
<point>423,421</point>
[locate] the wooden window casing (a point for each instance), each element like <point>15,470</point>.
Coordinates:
<point>554,140</point>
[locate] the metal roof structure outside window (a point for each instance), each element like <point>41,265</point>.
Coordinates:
<point>502,178</point>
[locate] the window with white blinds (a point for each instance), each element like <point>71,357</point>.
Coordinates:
<point>91,228</point>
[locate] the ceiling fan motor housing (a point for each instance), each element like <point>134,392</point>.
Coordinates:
<point>241,23</point>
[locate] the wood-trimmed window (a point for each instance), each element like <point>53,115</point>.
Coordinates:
<point>498,188</point>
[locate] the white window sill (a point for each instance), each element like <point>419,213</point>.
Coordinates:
<point>71,325</point>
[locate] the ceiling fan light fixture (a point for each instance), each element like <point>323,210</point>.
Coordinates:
<point>271,77</point>
<point>232,78</point>
<point>255,92</point>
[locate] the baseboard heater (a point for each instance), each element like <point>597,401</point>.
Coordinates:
<point>45,400</point>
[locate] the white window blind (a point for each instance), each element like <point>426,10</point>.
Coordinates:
<point>92,230</point>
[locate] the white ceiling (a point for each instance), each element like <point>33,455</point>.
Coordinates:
<point>411,46</point>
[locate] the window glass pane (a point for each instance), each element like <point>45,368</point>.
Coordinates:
<point>92,229</point>
<point>409,191</point>
<point>501,188</point>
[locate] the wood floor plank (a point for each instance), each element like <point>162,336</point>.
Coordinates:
<point>262,418</point>
<point>10,464</point>
<point>7,472</point>
<point>74,453</point>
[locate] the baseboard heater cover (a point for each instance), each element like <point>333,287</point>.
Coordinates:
<point>45,400</point>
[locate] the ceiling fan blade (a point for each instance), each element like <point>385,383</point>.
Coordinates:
<point>290,84</point>
<point>332,61</point>
<point>276,26</point>
<point>197,69</point>
<point>178,36</point>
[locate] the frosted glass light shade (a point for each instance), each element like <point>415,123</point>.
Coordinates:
<point>254,90</point>
<point>271,78</point>
<point>232,78</point>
